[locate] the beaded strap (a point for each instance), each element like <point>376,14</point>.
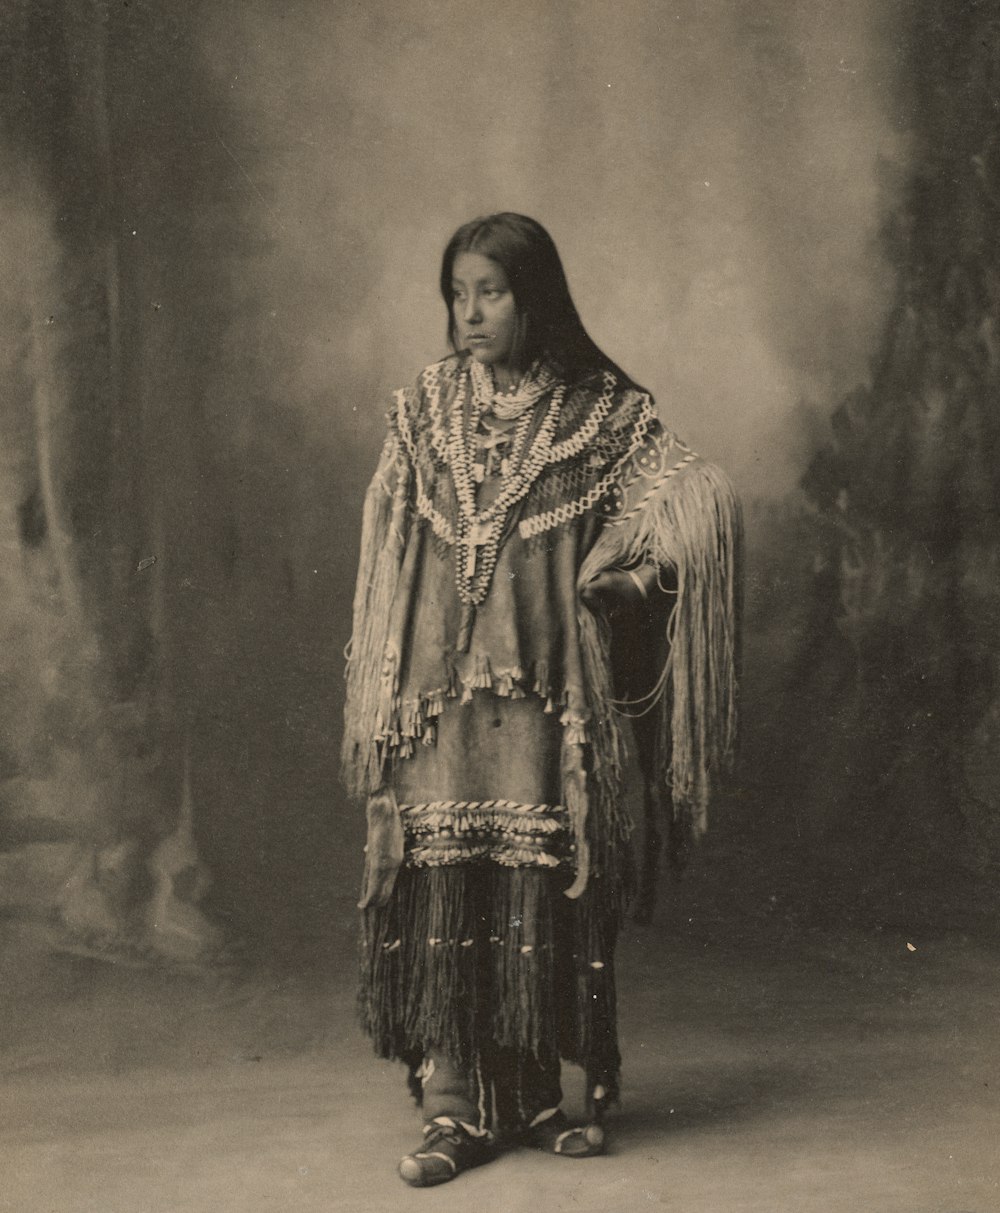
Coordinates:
<point>460,806</point>
<point>679,466</point>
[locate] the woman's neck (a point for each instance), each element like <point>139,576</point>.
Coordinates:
<point>505,377</point>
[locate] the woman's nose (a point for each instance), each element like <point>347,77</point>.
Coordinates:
<point>470,309</point>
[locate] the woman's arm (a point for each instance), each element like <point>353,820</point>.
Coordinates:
<point>630,586</point>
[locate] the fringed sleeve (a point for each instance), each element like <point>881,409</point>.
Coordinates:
<point>679,512</point>
<point>383,539</point>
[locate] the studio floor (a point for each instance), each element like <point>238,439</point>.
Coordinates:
<point>767,1071</point>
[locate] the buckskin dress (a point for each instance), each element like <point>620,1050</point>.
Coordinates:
<point>481,722</point>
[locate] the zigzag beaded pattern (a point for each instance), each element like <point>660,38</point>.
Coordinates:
<point>577,442</point>
<point>448,444</point>
<point>538,524</point>
<point>425,507</point>
<point>432,390</point>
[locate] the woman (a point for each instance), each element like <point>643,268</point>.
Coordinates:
<point>528,512</point>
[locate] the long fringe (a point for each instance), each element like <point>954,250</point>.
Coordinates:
<point>474,956</point>
<point>609,824</point>
<point>383,535</point>
<point>693,526</point>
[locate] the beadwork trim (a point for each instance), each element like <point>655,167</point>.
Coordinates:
<point>440,525</point>
<point>538,524</point>
<point>657,484</point>
<point>456,806</point>
<point>507,832</point>
<point>431,383</point>
<point>452,439</point>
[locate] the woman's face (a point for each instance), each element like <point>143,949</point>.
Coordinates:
<point>484,310</point>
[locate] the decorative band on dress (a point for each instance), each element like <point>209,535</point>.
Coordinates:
<point>507,832</point>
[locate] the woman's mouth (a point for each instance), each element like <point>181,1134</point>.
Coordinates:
<point>478,338</point>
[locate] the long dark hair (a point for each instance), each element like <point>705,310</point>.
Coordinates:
<point>550,326</point>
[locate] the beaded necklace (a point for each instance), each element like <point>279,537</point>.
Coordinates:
<point>477,534</point>
<point>509,405</point>
<point>452,435</point>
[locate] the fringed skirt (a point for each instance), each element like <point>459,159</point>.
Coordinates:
<point>481,960</point>
<point>478,954</point>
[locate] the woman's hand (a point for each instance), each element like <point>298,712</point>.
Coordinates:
<point>619,587</point>
<point>609,589</point>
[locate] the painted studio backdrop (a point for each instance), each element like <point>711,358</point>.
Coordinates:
<point>220,234</point>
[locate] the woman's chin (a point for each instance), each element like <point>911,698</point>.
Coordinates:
<point>493,359</point>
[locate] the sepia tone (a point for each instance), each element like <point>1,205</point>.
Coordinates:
<point>222,226</point>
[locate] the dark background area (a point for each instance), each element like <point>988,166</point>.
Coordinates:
<point>220,232</point>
